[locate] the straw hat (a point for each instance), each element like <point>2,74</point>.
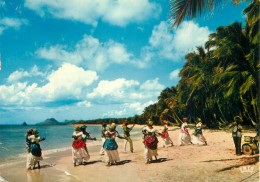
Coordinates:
<point>77,128</point>
<point>112,126</point>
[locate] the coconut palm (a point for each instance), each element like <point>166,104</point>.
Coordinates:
<point>188,9</point>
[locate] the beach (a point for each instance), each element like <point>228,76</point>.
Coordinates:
<point>215,162</point>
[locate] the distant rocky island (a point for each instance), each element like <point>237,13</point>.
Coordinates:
<point>53,121</point>
<point>24,124</point>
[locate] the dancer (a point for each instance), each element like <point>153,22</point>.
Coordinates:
<point>166,140</point>
<point>184,137</point>
<point>127,136</point>
<point>150,142</point>
<point>79,150</point>
<point>198,137</point>
<point>103,129</point>
<point>35,152</point>
<point>237,134</point>
<point>110,146</point>
<point>28,142</point>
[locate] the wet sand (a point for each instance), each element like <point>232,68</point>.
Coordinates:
<point>214,162</point>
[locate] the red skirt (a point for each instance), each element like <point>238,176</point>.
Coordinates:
<point>78,144</point>
<point>151,142</point>
<point>164,134</point>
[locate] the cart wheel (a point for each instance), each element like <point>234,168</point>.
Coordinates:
<point>247,149</point>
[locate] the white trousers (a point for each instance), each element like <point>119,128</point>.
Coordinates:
<point>102,151</point>
<point>128,140</point>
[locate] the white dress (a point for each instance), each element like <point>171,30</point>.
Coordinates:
<point>168,140</point>
<point>199,139</point>
<point>149,153</point>
<point>184,136</point>
<point>110,146</point>
<point>80,154</point>
<point>32,159</point>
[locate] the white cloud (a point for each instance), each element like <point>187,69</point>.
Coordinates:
<point>20,74</point>
<point>84,104</point>
<point>125,91</point>
<point>174,74</point>
<point>174,45</point>
<point>115,12</point>
<point>152,85</point>
<point>116,89</point>
<point>139,107</point>
<point>90,53</point>
<point>69,82</point>
<point>15,23</point>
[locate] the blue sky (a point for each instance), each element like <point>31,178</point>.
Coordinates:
<point>85,59</point>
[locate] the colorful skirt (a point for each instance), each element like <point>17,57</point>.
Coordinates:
<point>151,142</point>
<point>110,144</point>
<point>78,144</point>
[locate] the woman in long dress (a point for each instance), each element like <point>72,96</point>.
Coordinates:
<point>103,129</point>
<point>35,152</point>
<point>198,137</point>
<point>79,149</point>
<point>150,142</point>
<point>184,136</point>
<point>166,140</point>
<point>110,146</point>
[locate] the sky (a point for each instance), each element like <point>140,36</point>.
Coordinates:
<point>85,59</point>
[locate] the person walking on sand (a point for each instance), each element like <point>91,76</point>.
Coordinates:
<point>150,142</point>
<point>103,129</point>
<point>198,137</point>
<point>184,137</point>
<point>35,152</point>
<point>79,150</point>
<point>166,140</point>
<point>237,134</point>
<point>110,146</point>
<point>127,136</point>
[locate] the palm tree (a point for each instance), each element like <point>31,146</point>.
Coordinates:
<point>188,9</point>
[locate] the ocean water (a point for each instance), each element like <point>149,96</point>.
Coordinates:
<point>58,138</point>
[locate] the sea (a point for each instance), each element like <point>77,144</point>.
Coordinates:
<point>58,138</point>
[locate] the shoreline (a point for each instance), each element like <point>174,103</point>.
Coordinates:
<point>214,162</point>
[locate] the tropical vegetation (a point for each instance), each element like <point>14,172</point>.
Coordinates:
<point>219,80</point>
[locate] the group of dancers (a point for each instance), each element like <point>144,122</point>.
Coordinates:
<point>109,145</point>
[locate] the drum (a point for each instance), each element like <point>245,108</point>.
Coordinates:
<point>248,139</point>
<point>247,149</point>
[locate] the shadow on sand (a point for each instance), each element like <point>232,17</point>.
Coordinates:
<point>92,162</point>
<point>160,160</point>
<point>243,161</point>
<point>46,166</point>
<point>122,162</point>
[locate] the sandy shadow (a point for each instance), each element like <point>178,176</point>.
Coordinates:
<point>46,166</point>
<point>242,158</point>
<point>245,161</point>
<point>91,162</point>
<point>160,160</point>
<point>121,162</point>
